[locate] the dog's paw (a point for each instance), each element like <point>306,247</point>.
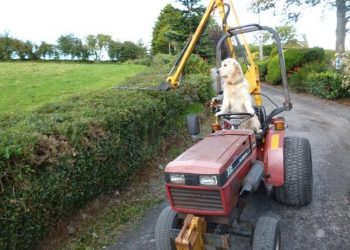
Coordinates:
<point>251,111</point>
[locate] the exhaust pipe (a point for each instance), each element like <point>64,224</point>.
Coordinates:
<point>252,181</point>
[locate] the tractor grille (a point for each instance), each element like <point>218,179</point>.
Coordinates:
<point>208,200</point>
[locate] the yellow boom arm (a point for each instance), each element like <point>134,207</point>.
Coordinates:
<point>173,79</point>
<point>252,74</point>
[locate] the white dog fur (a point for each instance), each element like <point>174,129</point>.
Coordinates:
<point>236,93</point>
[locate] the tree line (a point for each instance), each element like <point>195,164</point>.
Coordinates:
<point>70,47</point>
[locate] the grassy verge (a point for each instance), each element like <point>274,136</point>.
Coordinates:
<point>25,86</point>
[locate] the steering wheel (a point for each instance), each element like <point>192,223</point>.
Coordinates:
<point>235,119</point>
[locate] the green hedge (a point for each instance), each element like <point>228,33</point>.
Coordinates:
<point>327,85</point>
<point>293,58</point>
<point>196,65</point>
<point>57,158</point>
<point>198,87</point>
<point>262,66</point>
<point>298,80</point>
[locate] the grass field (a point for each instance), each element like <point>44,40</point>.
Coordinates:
<point>27,85</point>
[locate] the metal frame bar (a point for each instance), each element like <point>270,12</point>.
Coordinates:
<point>251,28</point>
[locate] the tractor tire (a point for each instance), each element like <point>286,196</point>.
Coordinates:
<point>165,222</point>
<point>267,234</point>
<point>297,187</point>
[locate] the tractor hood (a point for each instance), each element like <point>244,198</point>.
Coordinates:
<point>213,154</point>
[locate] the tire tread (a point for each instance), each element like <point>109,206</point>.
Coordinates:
<point>297,188</point>
<point>266,231</point>
<point>163,226</point>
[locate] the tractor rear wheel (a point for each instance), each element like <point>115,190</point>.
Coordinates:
<point>267,234</point>
<point>166,220</point>
<point>297,187</point>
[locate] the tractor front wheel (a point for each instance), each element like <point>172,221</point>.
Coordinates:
<point>166,220</point>
<point>297,187</point>
<point>267,234</point>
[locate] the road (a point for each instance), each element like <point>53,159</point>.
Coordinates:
<point>325,223</point>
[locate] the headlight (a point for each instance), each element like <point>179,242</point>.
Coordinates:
<point>177,178</point>
<point>210,180</point>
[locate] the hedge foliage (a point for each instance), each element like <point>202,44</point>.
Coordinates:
<point>298,80</point>
<point>327,84</point>
<point>57,158</point>
<point>293,58</point>
<point>262,66</point>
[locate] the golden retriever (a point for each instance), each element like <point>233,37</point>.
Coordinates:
<point>236,93</point>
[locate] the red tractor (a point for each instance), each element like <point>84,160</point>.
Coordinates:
<point>207,186</point>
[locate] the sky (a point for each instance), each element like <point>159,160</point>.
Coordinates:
<point>46,20</point>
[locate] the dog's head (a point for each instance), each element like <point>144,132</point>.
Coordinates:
<point>231,71</point>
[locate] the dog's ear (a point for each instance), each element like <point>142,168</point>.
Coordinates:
<point>238,69</point>
<point>236,72</point>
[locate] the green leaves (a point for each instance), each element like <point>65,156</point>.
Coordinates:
<point>327,84</point>
<point>62,155</point>
<point>293,58</point>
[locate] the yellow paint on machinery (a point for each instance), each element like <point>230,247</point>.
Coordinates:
<point>252,74</point>
<point>190,236</point>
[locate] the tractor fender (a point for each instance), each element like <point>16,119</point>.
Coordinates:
<point>273,157</point>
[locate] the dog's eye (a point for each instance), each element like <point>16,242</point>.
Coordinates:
<point>225,65</point>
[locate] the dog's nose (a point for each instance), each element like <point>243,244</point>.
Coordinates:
<point>218,71</point>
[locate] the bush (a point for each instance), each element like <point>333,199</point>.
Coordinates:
<point>147,61</point>
<point>163,61</point>
<point>274,52</point>
<point>314,54</point>
<point>267,49</point>
<point>298,80</point>
<point>329,56</point>
<point>57,158</point>
<point>262,66</point>
<point>327,85</point>
<point>197,65</point>
<point>273,71</point>
<point>293,58</point>
<point>198,87</point>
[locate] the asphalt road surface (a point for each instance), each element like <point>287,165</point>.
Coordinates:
<point>325,223</point>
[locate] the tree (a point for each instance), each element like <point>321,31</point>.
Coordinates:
<point>295,7</point>
<point>6,47</point>
<point>169,22</point>
<point>102,44</point>
<point>190,5</point>
<point>91,44</point>
<point>77,48</point>
<point>115,50</point>
<point>85,52</point>
<point>24,50</point>
<point>287,33</point>
<point>193,13</point>
<point>46,50</point>
<point>65,44</point>
<point>127,50</point>
<point>174,26</point>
